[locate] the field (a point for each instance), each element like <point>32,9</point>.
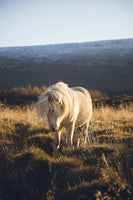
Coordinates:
<point>103,169</point>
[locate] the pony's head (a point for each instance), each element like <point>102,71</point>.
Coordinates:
<point>55,111</point>
<point>53,104</point>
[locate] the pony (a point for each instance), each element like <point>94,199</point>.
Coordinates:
<point>65,107</point>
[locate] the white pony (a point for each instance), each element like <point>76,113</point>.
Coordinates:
<point>66,107</point>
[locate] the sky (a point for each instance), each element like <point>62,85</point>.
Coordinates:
<point>42,22</point>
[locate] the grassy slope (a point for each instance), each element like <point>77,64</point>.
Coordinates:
<point>102,170</point>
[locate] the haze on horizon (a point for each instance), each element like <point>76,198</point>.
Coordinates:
<point>41,22</point>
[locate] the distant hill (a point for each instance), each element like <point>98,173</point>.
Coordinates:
<point>104,65</point>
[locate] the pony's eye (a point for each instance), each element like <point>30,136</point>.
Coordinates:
<point>52,110</point>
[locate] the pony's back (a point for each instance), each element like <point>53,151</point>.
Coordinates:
<point>85,105</point>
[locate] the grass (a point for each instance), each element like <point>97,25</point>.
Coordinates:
<point>101,170</point>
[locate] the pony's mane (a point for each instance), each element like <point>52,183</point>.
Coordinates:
<point>58,93</point>
<point>63,94</point>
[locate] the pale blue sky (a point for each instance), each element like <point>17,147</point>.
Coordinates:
<point>40,22</point>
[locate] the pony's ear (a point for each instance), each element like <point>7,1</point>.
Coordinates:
<point>50,98</point>
<point>53,98</point>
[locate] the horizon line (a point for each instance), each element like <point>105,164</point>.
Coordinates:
<point>61,43</point>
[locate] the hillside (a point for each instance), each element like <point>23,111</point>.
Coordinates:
<point>105,65</point>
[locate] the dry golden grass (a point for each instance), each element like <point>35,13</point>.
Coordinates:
<point>107,113</point>
<point>113,118</point>
<point>103,170</point>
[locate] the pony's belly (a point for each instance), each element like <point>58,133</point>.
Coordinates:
<point>81,120</point>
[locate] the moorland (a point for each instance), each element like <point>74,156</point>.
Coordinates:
<point>103,169</point>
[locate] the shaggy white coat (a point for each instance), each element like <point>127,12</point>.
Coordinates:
<point>65,107</point>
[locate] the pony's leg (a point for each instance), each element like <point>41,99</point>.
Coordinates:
<point>78,137</point>
<point>86,133</point>
<point>57,142</point>
<point>59,137</point>
<point>70,131</point>
<point>78,141</point>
